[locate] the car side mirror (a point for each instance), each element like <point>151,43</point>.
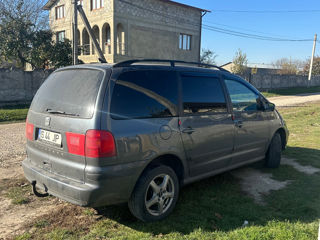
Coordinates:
<point>261,106</point>
<point>270,106</point>
<point>264,105</point>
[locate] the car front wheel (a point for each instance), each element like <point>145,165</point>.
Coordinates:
<point>155,194</point>
<point>273,156</point>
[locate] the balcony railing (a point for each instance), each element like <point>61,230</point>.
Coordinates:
<point>107,48</point>
<point>79,49</point>
<point>121,48</point>
<point>85,49</point>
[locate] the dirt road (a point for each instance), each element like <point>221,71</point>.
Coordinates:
<point>286,101</point>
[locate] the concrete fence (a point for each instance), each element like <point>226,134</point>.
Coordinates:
<point>275,81</point>
<point>17,86</point>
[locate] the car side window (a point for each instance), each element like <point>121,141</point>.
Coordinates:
<point>145,94</point>
<point>242,98</point>
<point>202,95</point>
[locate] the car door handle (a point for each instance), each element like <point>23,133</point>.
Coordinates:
<point>238,123</point>
<point>188,130</point>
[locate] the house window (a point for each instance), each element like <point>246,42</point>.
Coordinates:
<point>96,4</point>
<point>185,42</point>
<point>60,12</point>
<point>60,36</point>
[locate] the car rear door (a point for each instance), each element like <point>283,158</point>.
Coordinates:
<point>252,129</point>
<point>206,126</point>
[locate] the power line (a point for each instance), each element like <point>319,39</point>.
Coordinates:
<point>221,30</point>
<point>245,29</point>
<point>252,36</point>
<point>266,11</point>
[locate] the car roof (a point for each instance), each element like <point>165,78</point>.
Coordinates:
<point>100,66</point>
<point>155,64</point>
<point>148,66</point>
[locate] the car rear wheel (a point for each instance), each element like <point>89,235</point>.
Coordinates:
<point>155,194</point>
<point>273,156</point>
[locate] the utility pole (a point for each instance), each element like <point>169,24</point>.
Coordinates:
<point>311,62</point>
<point>75,32</point>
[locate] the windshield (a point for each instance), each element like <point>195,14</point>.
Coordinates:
<point>69,92</point>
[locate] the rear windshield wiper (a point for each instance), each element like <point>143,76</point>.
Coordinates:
<point>51,111</point>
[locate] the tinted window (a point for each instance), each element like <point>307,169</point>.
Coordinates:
<point>242,98</point>
<point>145,94</point>
<point>202,95</point>
<point>70,91</point>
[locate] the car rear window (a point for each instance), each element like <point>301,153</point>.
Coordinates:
<point>73,92</point>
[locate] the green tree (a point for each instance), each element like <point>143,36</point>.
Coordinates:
<point>24,37</point>
<point>240,63</point>
<point>15,39</point>
<point>46,52</point>
<point>62,54</point>
<point>208,57</point>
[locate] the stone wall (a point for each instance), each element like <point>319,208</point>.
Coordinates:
<point>18,86</point>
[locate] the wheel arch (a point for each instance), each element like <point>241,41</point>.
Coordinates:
<point>283,136</point>
<point>169,160</point>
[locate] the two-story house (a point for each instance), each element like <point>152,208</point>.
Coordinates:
<point>127,29</point>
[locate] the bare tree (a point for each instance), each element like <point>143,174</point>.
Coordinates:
<point>28,10</point>
<point>288,65</point>
<point>315,68</point>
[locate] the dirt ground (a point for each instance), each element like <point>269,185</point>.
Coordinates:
<point>12,152</point>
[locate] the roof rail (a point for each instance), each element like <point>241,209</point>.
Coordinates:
<point>172,63</point>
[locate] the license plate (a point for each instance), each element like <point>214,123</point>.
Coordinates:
<point>50,137</point>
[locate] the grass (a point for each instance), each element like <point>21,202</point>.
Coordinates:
<point>216,208</point>
<point>13,113</point>
<point>25,236</point>
<point>19,195</point>
<point>290,91</point>
<point>41,224</point>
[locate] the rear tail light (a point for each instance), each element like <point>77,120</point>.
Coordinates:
<point>75,143</point>
<point>94,144</point>
<point>29,130</point>
<point>99,144</point>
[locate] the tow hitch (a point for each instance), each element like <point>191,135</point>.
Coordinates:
<point>34,189</point>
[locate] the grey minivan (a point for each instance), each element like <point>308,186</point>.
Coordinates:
<point>139,130</point>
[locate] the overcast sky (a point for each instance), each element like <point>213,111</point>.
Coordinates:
<point>272,18</point>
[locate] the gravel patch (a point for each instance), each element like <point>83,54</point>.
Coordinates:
<point>257,184</point>
<point>12,144</point>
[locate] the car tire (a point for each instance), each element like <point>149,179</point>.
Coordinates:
<point>273,156</point>
<point>155,194</point>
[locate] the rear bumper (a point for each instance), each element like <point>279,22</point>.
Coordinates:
<point>107,192</point>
